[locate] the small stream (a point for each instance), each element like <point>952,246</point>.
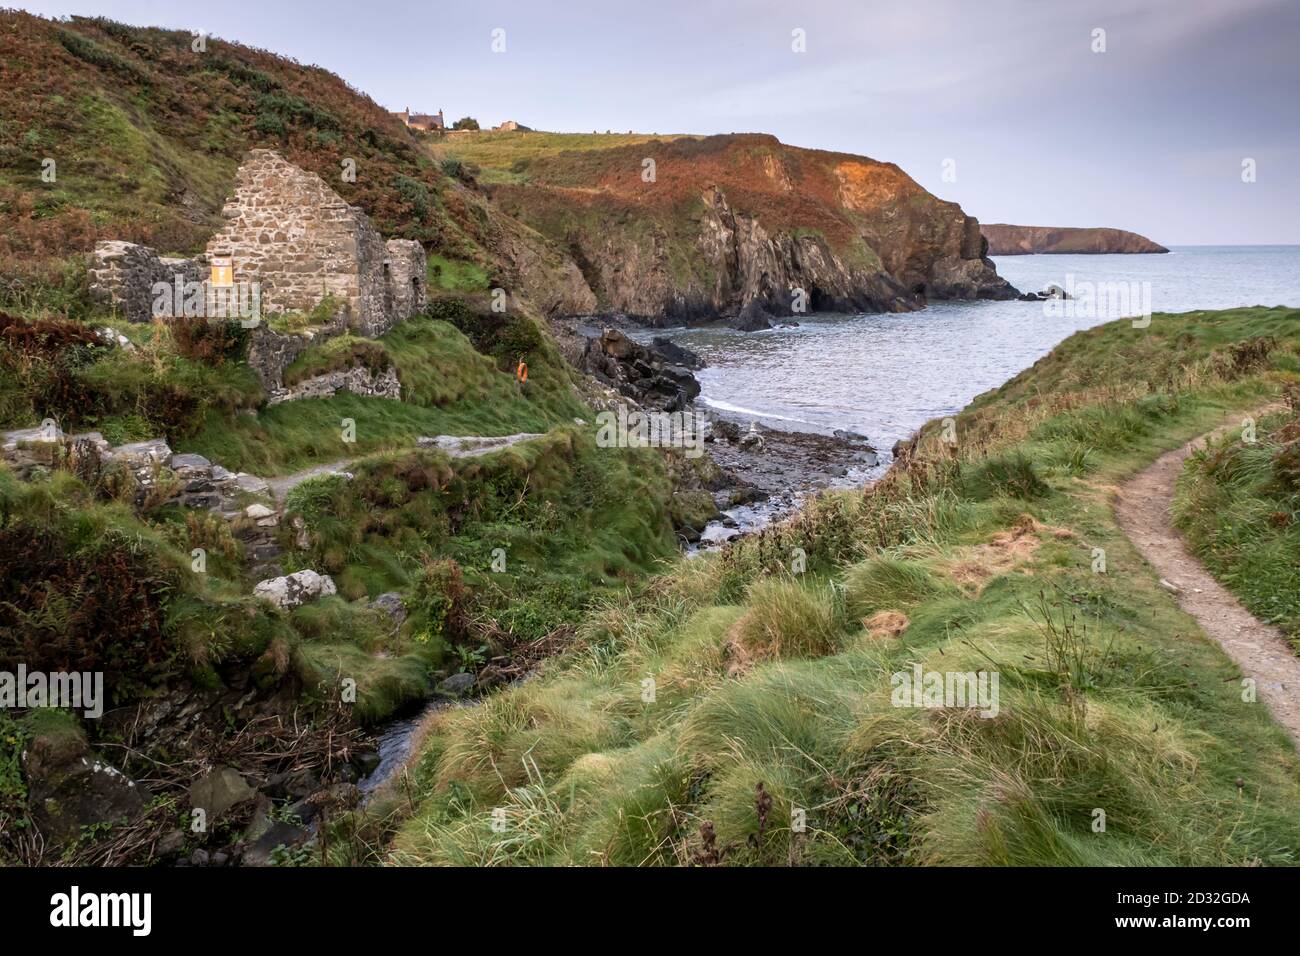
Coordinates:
<point>394,746</point>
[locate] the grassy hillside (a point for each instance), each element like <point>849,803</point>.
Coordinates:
<point>1238,503</point>
<point>510,157</point>
<point>203,397</point>
<point>146,134</point>
<point>772,690</point>
<point>534,501</point>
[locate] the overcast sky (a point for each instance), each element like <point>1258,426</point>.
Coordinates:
<point>1149,135</point>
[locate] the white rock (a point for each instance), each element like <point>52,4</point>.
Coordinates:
<point>295,589</point>
<point>257,511</point>
<point>251,483</point>
<point>28,435</point>
<point>112,336</point>
<point>156,449</point>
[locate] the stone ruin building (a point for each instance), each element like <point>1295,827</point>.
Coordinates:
<point>427,122</point>
<point>288,231</point>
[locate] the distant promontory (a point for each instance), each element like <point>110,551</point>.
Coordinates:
<point>1005,240</point>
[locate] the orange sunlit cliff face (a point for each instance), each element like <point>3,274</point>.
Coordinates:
<point>733,223</point>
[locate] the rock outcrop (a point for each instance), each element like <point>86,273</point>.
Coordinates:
<point>640,372</point>
<point>1005,240</point>
<point>744,227</point>
<point>71,787</point>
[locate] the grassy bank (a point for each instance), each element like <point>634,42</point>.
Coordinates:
<point>195,389</point>
<point>509,156</point>
<point>538,530</point>
<point>688,723</point>
<point>1238,503</point>
<point>572,522</point>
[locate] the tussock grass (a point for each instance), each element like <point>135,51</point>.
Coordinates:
<point>1109,699</point>
<point>887,583</point>
<point>1239,505</point>
<point>786,619</point>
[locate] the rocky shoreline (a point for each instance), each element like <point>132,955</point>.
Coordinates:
<point>771,471</point>
<point>755,474</point>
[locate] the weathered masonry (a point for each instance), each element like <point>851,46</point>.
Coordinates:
<point>294,236</point>
<point>123,275</point>
<point>288,230</point>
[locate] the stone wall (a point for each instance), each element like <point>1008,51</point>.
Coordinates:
<point>123,274</point>
<point>358,380</point>
<point>271,352</point>
<point>289,231</point>
<point>406,273</point>
<point>294,236</point>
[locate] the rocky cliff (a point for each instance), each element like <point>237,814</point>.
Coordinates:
<point>744,226</point>
<point>1007,240</point>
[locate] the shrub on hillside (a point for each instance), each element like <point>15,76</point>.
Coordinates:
<point>269,124</point>
<point>84,48</point>
<point>46,338</point>
<point>886,583</point>
<point>438,603</point>
<point>504,336</point>
<point>414,193</point>
<point>65,607</point>
<point>1286,466</point>
<point>212,341</point>
<point>1242,358</point>
<point>1012,474</point>
<point>786,619</point>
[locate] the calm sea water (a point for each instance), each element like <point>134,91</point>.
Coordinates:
<point>885,375</point>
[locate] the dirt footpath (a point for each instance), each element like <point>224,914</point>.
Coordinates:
<point>1258,649</point>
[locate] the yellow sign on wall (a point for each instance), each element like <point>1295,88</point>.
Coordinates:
<point>223,271</point>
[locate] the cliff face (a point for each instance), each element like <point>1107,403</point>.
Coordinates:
<point>731,266</point>
<point>735,225</point>
<point>1007,240</point>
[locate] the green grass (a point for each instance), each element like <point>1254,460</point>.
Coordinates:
<point>1238,503</point>
<point>531,505</point>
<point>1110,697</point>
<point>342,352</point>
<point>455,276</point>
<point>504,157</point>
<point>447,388</point>
<point>575,522</point>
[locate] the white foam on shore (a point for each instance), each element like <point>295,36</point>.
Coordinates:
<point>753,412</point>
